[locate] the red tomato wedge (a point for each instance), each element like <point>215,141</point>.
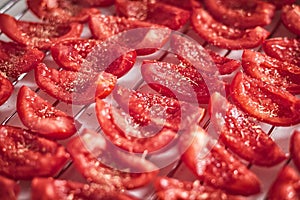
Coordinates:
<point>266,102</point>
<point>202,59</point>
<point>295,148</point>
<point>156,13</point>
<point>9,189</point>
<point>16,59</point>
<point>224,36</point>
<point>272,71</point>
<point>87,155</point>
<point>217,167</point>
<point>146,108</point>
<point>144,37</point>
<point>121,130</point>
<point>29,155</point>
<point>61,11</point>
<point>241,14</point>
<point>74,87</point>
<point>181,82</point>
<point>283,49</point>
<point>173,189</point>
<point>286,186</point>
<point>6,89</point>
<point>290,17</point>
<point>72,53</point>
<point>100,3</point>
<point>50,189</point>
<point>40,117</point>
<point>39,35</point>
<point>242,135</point>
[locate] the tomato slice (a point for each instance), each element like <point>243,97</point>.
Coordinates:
<point>16,59</point>
<point>89,158</point>
<point>224,36</point>
<point>203,59</point>
<point>49,189</point>
<point>40,35</point>
<point>144,37</point>
<point>217,167</point>
<point>177,81</point>
<point>286,186</point>
<point>264,101</point>
<point>172,189</point>
<point>6,89</point>
<point>241,14</point>
<point>187,5</point>
<point>242,135</point>
<point>146,108</point>
<point>284,49</point>
<point>294,148</point>
<point>61,11</point>
<point>156,13</point>
<point>272,71</point>
<point>290,18</point>
<point>9,189</point>
<point>124,133</point>
<point>72,53</point>
<point>29,155</point>
<point>40,117</point>
<point>74,87</point>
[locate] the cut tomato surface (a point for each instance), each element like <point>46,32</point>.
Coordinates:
<point>121,130</point>
<point>58,189</point>
<point>29,155</point>
<point>9,189</point>
<point>39,35</point>
<point>224,36</point>
<point>241,14</point>
<point>264,101</point>
<point>290,18</point>
<point>156,13</point>
<point>16,59</point>
<point>91,154</point>
<point>295,148</point>
<point>41,117</point>
<point>172,189</point>
<point>6,89</point>
<point>71,54</point>
<point>286,186</point>
<point>181,82</point>
<point>216,166</point>
<point>284,49</point>
<point>272,71</point>
<point>242,135</point>
<point>146,108</point>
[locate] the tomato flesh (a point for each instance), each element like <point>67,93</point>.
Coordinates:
<point>6,89</point>
<point>290,18</point>
<point>9,189</point>
<point>294,148</point>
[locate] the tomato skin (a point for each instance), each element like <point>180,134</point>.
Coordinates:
<point>29,155</point>
<point>294,148</point>
<point>156,13</point>
<point>271,71</point>
<point>218,167</point>
<point>286,185</point>
<point>39,35</point>
<point>87,162</point>
<point>224,36</point>
<point>49,189</point>
<point>16,59</point>
<point>242,135</point>
<point>107,115</point>
<point>173,189</point>
<point>9,189</point>
<point>284,49</point>
<point>6,89</point>
<point>40,117</point>
<point>290,18</point>
<point>58,11</point>
<point>264,101</point>
<point>241,14</point>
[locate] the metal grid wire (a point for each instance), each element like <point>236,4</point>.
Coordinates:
<point>86,114</point>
